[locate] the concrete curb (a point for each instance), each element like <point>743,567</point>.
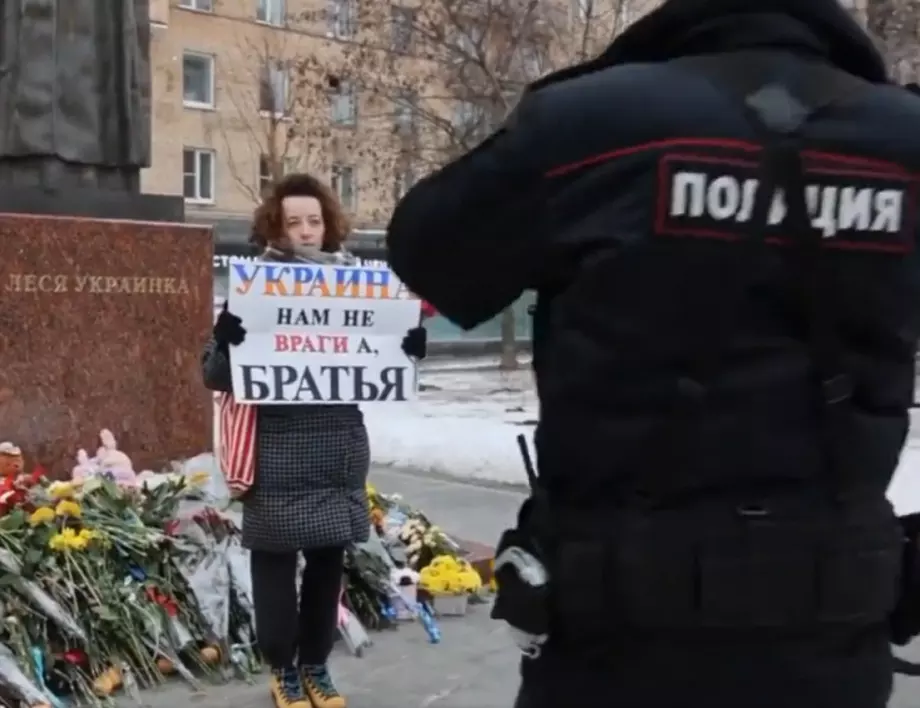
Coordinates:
<point>437,475</point>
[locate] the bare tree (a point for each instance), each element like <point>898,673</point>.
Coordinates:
<point>292,113</point>
<point>445,73</point>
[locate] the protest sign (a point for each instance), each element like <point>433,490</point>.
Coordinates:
<point>321,334</point>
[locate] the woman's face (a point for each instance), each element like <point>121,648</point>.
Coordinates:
<point>303,221</point>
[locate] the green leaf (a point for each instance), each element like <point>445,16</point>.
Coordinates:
<point>8,580</point>
<point>16,519</point>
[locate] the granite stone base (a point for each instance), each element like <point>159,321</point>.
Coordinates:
<point>101,326</point>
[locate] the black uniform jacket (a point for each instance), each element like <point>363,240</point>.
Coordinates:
<point>618,191</point>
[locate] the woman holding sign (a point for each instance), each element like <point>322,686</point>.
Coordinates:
<point>306,490</point>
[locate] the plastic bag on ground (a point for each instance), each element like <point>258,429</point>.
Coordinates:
<point>375,546</point>
<point>16,683</point>
<point>215,489</point>
<point>208,577</point>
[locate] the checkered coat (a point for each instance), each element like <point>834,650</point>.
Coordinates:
<point>311,470</point>
<point>311,461</point>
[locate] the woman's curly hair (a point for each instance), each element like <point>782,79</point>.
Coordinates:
<point>268,220</point>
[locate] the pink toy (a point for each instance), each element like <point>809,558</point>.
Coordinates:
<point>84,469</point>
<point>111,461</point>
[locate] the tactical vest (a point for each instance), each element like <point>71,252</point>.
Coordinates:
<point>690,545</point>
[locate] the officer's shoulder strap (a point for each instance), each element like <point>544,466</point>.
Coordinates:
<point>777,108</point>
<point>778,105</point>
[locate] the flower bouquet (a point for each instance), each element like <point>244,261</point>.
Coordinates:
<point>450,581</point>
<point>96,552</point>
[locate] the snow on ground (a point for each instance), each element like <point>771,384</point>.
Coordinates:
<point>467,363</point>
<point>464,425</point>
<point>467,417</point>
<point>904,491</point>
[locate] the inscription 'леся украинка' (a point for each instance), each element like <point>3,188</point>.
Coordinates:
<point>95,284</point>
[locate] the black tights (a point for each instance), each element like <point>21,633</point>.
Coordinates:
<point>284,632</point>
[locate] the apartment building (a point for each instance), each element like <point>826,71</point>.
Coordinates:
<point>245,90</point>
<point>237,101</point>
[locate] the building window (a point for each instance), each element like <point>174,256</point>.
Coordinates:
<point>198,80</point>
<point>273,88</point>
<point>404,110</point>
<point>403,181</point>
<point>290,165</point>
<point>266,178</point>
<point>468,115</point>
<point>266,174</point>
<point>200,5</point>
<point>531,59</point>
<point>343,182</point>
<point>401,21</point>
<point>344,104</point>
<point>341,18</point>
<point>271,12</point>
<point>198,175</point>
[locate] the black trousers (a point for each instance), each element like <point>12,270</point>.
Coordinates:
<point>290,632</point>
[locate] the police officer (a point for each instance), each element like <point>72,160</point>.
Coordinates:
<point>718,215</point>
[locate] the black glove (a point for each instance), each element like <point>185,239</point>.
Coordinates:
<point>415,343</point>
<point>228,329</point>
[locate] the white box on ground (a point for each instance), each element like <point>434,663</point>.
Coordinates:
<point>405,609</point>
<point>450,605</point>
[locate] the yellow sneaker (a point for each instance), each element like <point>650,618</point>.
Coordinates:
<point>286,689</point>
<point>317,684</point>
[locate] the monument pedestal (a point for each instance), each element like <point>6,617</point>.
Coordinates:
<point>101,326</point>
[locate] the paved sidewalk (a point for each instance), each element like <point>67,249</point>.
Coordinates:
<point>906,689</point>
<point>475,664</point>
<point>470,512</point>
<point>473,667</point>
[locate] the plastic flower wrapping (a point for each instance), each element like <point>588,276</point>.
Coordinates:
<point>114,582</point>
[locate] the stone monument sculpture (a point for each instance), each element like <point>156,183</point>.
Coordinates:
<point>75,132</point>
<point>74,93</point>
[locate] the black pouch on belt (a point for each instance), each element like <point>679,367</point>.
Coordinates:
<point>522,599</point>
<point>521,604</point>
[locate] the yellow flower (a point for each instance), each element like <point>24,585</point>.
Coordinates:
<point>445,563</point>
<point>199,478</point>
<point>470,580</point>
<point>42,515</point>
<point>61,490</point>
<point>57,543</point>
<point>62,541</point>
<point>68,508</point>
<point>78,543</point>
<point>70,540</point>
<point>371,490</point>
